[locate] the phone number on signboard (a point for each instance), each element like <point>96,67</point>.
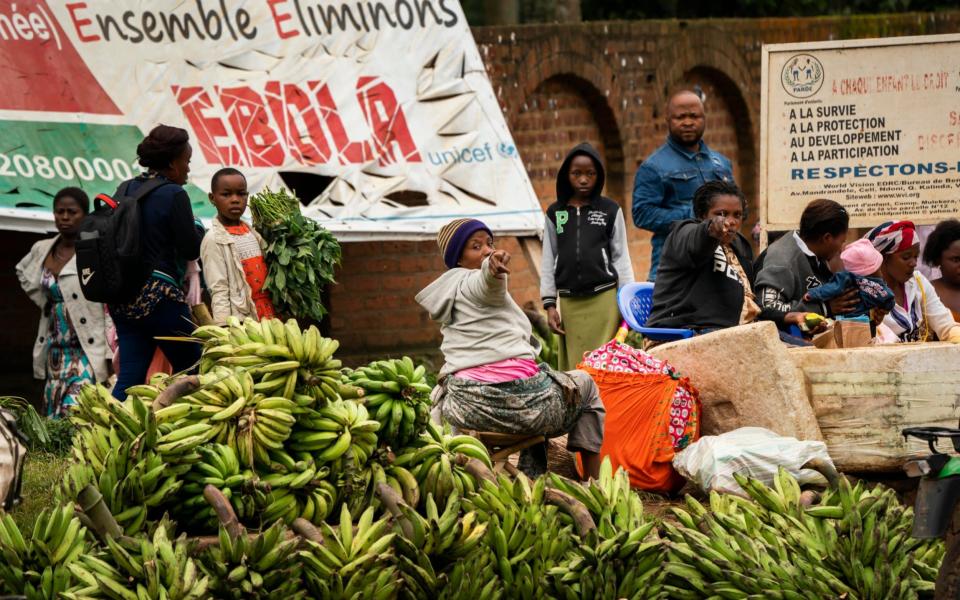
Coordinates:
<point>61,167</point>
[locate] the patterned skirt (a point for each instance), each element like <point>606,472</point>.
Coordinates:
<point>547,403</point>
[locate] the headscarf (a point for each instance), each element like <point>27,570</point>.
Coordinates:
<point>893,236</point>
<point>453,237</point>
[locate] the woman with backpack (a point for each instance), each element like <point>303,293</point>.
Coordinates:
<point>169,246</point>
<point>71,346</point>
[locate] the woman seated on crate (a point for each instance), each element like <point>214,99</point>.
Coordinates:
<point>490,380</point>
<point>918,315</point>
<point>705,279</point>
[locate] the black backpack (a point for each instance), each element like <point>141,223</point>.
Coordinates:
<point>109,262</point>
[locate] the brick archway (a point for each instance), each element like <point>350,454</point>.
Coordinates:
<point>722,71</point>
<point>586,82</point>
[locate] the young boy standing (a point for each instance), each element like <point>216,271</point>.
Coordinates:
<point>585,258</point>
<point>232,254</point>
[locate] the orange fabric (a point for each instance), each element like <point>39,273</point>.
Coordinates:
<point>636,433</point>
<point>255,272</point>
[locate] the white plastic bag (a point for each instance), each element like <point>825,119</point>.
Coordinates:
<point>711,461</point>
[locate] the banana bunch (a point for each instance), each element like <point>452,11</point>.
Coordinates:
<point>426,544</point>
<point>286,360</point>
<point>525,536</point>
<point>624,565</point>
<point>432,459</point>
<point>140,568</point>
<point>134,483</point>
<point>229,409</point>
<point>611,501</point>
<point>104,423</point>
<point>398,395</point>
<point>333,430</point>
<point>855,544</point>
<point>38,567</point>
<point>220,467</point>
<point>352,563</point>
<point>290,497</point>
<point>263,567</point>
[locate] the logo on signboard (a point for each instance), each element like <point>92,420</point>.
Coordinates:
<point>802,76</point>
<point>507,150</point>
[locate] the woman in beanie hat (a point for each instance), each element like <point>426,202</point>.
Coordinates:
<point>861,262</point>
<point>490,380</point>
<point>918,314</point>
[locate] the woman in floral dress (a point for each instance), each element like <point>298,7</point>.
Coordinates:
<point>71,349</point>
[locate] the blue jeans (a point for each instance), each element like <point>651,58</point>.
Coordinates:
<point>137,343</point>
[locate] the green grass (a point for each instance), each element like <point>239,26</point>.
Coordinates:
<point>41,475</point>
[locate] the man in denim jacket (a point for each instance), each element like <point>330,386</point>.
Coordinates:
<point>664,184</point>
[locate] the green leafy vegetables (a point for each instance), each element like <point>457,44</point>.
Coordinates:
<point>301,256</point>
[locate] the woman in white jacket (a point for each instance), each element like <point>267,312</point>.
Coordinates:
<point>918,314</point>
<point>71,348</point>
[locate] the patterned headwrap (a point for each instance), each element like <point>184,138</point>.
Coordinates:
<point>453,237</point>
<point>892,237</point>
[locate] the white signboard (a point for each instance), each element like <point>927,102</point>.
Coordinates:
<point>872,124</point>
<point>379,114</point>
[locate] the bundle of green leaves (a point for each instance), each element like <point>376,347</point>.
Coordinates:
<point>301,255</point>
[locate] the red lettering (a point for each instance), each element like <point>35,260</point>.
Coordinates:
<point>298,122</point>
<point>349,152</point>
<point>251,123</point>
<point>387,121</point>
<point>72,8</point>
<point>279,18</point>
<point>208,129</point>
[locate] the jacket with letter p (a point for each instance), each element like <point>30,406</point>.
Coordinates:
<point>584,248</point>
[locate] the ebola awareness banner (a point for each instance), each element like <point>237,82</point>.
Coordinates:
<point>873,124</point>
<point>377,113</point>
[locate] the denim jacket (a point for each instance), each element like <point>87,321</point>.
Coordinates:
<point>664,185</point>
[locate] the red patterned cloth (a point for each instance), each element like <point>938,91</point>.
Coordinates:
<point>247,249</point>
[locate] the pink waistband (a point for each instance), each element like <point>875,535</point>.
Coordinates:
<point>501,371</point>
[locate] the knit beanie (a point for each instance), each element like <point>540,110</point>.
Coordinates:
<point>453,237</point>
<point>861,258</point>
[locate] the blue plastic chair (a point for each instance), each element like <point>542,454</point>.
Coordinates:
<point>636,302</point>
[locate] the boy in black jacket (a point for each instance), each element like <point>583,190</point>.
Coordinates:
<point>585,258</point>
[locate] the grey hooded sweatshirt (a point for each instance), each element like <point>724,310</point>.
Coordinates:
<point>479,320</point>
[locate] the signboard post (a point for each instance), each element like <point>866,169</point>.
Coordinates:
<point>872,124</point>
<point>380,114</point>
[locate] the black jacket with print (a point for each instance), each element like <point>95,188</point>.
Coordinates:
<point>696,287</point>
<point>587,244</point>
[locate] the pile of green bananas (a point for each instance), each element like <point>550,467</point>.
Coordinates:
<point>432,459</point>
<point>352,563</point>
<point>265,566</point>
<point>285,360</point>
<point>424,545</point>
<point>525,538</point>
<point>135,482</point>
<point>220,467</point>
<point>398,395</point>
<point>855,544</point>
<point>139,568</point>
<point>38,567</point>
<point>625,559</point>
<point>612,503</point>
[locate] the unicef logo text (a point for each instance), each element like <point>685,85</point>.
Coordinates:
<point>473,154</point>
<point>802,76</point>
